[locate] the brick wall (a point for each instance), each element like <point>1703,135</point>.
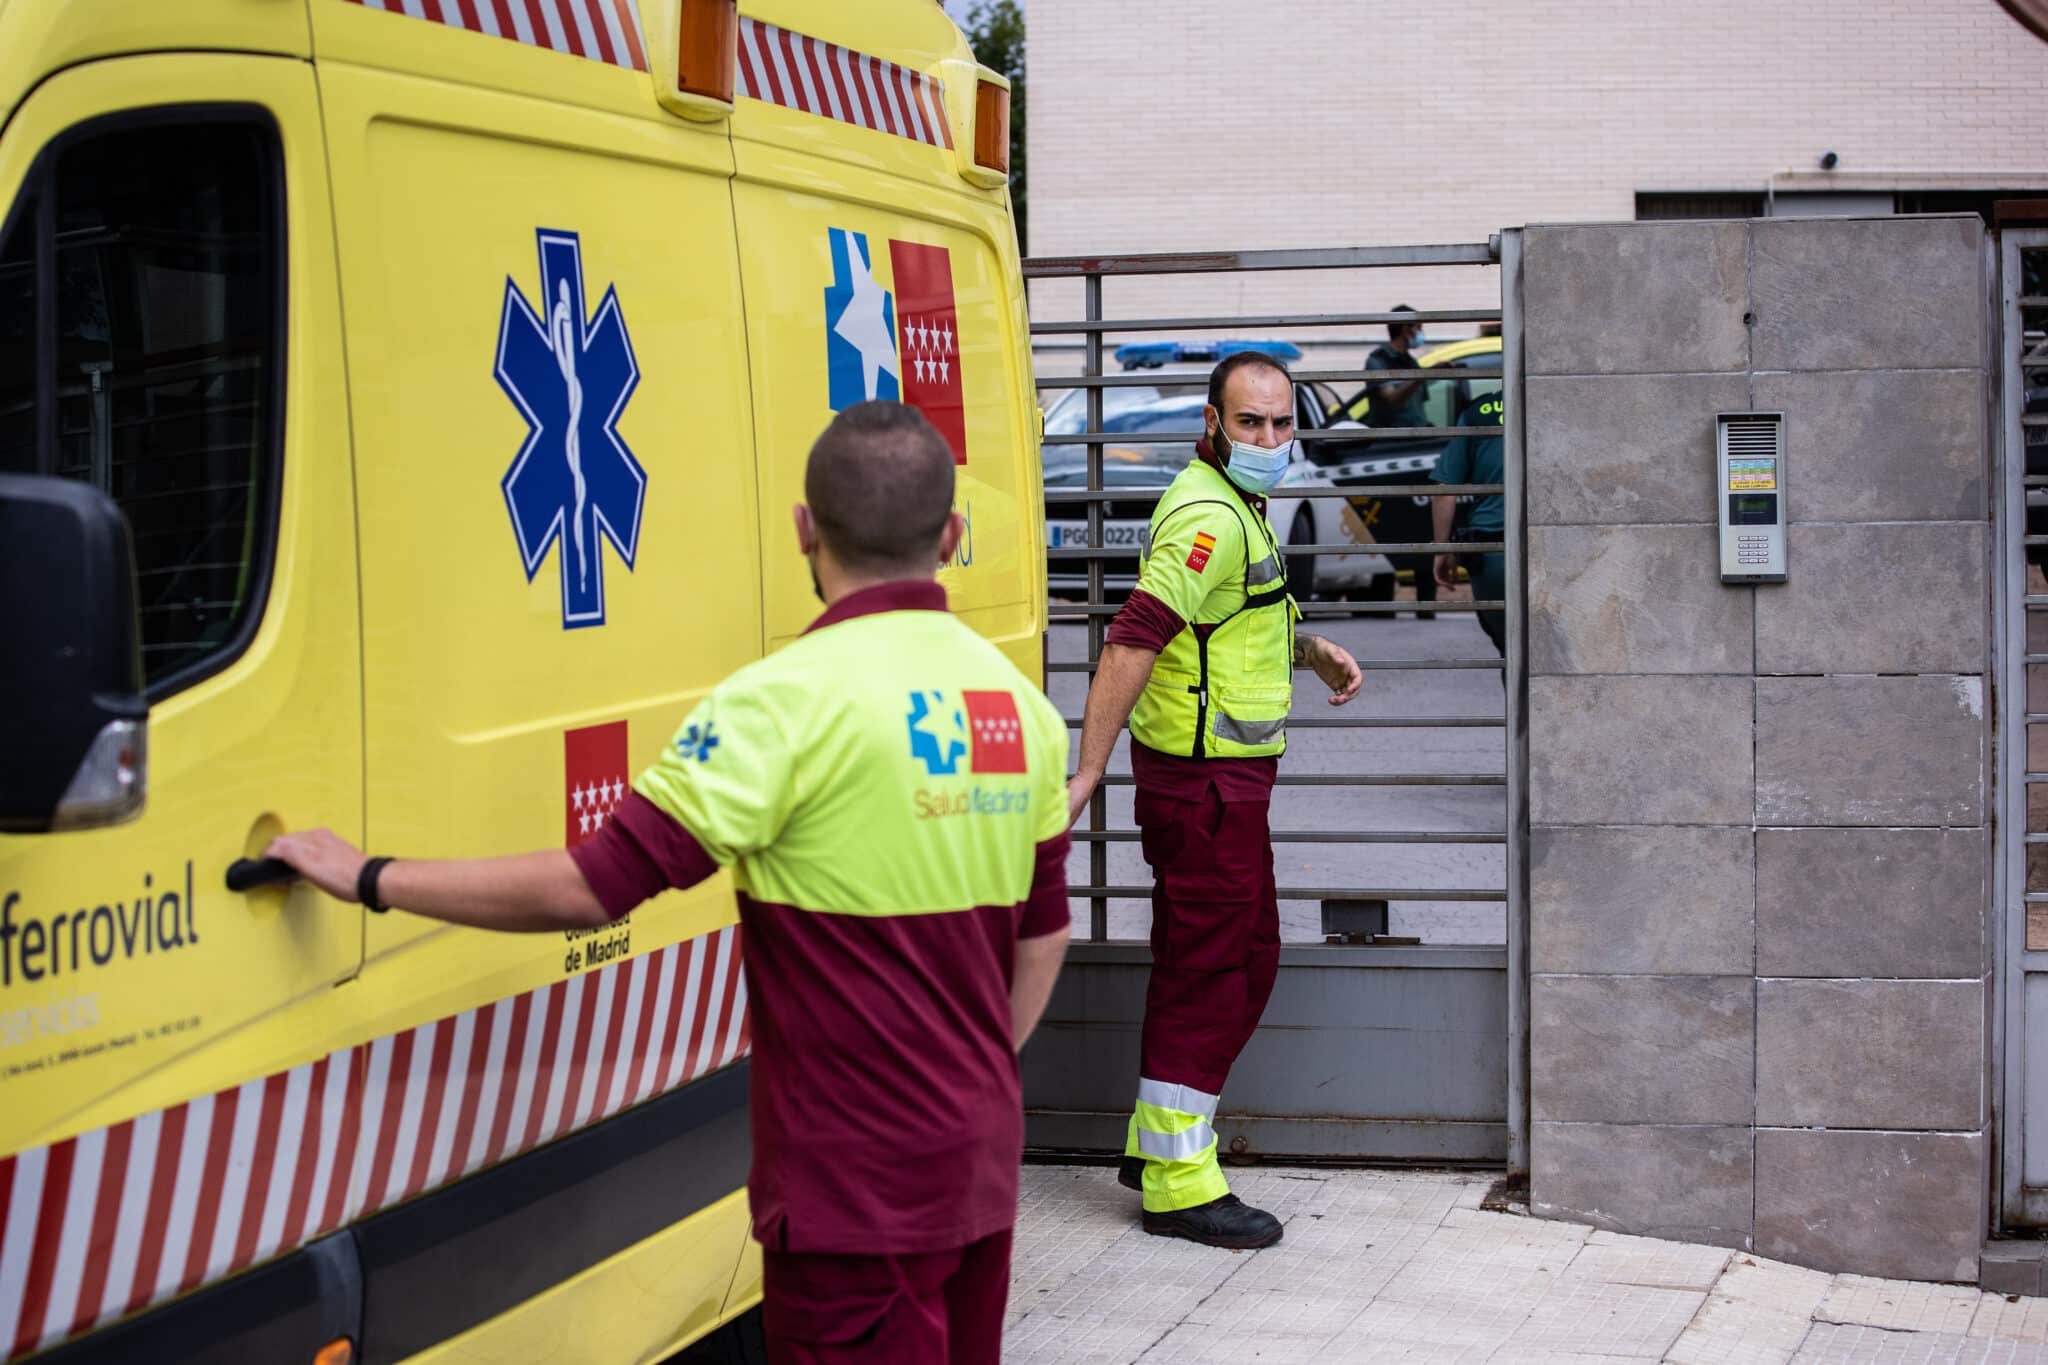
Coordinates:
<point>1758,852</point>
<point>1213,123</point>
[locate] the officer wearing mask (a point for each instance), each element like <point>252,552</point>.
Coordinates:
<point>1396,402</point>
<point>1399,403</point>
<point>1200,660</point>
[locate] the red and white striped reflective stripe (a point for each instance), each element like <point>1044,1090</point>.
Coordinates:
<point>109,1222</point>
<point>817,77</point>
<point>602,30</point>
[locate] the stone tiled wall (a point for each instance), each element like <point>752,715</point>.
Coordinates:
<point>1759,853</point>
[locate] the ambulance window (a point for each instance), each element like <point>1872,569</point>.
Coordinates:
<point>158,378</point>
<point>18,342</point>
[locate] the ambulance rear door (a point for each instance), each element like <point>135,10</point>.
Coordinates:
<point>873,270</point>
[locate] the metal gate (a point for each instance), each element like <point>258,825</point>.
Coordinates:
<point>1392,1035</point>
<point>2022,870</point>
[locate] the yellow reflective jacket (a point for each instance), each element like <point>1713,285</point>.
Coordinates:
<point>1221,688</point>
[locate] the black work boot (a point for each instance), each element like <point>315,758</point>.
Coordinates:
<point>1130,1173</point>
<point>1225,1222</point>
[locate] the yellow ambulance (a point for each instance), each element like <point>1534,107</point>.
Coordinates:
<point>401,405</point>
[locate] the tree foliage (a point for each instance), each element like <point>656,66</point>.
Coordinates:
<point>995,29</point>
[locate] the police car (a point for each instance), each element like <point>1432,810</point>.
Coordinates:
<point>1175,404</point>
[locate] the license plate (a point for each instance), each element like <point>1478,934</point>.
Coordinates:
<point>1116,535</point>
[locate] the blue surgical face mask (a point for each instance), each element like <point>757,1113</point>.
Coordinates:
<point>1256,469</point>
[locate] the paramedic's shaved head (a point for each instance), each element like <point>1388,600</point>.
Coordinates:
<point>880,488</point>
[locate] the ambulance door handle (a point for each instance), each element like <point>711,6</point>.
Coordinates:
<point>246,874</point>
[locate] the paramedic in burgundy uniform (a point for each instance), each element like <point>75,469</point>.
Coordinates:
<point>889,792</point>
<point>1201,659</point>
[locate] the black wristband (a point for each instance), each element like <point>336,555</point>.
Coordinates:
<point>366,884</point>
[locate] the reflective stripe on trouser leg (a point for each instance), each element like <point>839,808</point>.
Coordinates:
<point>1178,1145</point>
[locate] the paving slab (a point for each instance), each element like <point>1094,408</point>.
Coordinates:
<point>1407,1266</point>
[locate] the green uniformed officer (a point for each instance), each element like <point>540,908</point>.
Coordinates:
<point>1478,458</point>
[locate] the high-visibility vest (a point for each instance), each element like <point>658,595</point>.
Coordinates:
<point>1222,687</point>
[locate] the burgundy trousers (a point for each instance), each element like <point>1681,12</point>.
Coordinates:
<point>938,1308</point>
<point>1215,933</point>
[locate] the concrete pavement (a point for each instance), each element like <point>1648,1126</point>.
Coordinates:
<point>1407,1266</point>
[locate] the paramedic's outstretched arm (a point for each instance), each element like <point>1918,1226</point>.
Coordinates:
<point>1120,677</point>
<point>523,893</point>
<point>686,816</point>
<point>1037,967</point>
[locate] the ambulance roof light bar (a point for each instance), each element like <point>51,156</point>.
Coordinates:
<point>978,114</point>
<point>992,127</point>
<point>703,38</point>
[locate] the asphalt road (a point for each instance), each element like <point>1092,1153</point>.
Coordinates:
<point>1401,693</point>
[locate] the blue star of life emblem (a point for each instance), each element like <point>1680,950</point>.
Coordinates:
<point>574,482</point>
<point>931,743</point>
<point>697,741</point>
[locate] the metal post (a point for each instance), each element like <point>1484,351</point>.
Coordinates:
<point>2009,874</point>
<point>1098,804</point>
<point>1515,685</point>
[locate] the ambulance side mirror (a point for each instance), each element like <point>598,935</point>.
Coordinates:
<point>73,715</point>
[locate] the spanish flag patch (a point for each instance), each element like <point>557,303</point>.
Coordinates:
<point>1198,558</point>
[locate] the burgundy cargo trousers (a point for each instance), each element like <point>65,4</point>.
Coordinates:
<point>1215,920</point>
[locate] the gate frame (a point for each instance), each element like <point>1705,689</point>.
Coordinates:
<point>1504,251</point>
<point>2005,400</point>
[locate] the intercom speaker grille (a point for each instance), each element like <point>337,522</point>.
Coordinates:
<point>1755,437</point>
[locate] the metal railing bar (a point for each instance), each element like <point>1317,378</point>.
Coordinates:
<point>1369,665</point>
<point>1375,722</point>
<point>1300,258</point>
<point>1265,320</point>
<point>1139,379</point>
<point>1165,438</point>
<point>1396,547</point>
<point>1314,893</point>
<point>1098,801</point>
<point>1368,780</point>
<point>1316,611</point>
<point>1321,836</point>
<point>1082,496</point>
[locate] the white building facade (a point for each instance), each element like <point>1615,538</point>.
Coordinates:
<point>1214,124</point>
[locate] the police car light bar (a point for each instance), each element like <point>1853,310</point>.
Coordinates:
<point>1150,355</point>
